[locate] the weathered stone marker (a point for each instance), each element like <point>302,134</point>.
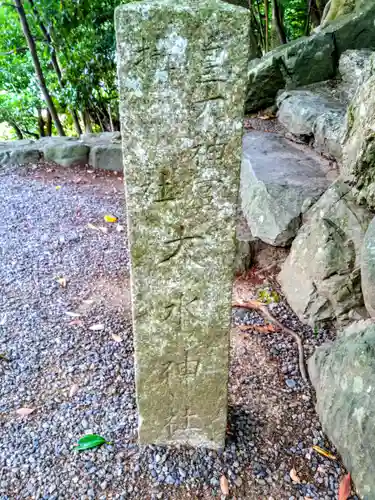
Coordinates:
<point>182,73</point>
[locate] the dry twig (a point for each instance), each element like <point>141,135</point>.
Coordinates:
<point>260,308</point>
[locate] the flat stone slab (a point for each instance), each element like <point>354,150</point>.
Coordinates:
<point>182,90</point>
<point>279,181</point>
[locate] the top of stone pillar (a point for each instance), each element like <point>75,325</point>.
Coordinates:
<point>192,5</point>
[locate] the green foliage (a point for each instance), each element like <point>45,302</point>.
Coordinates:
<point>295,12</point>
<point>268,296</point>
<point>79,36</point>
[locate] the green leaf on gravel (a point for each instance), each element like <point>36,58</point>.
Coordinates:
<point>90,441</point>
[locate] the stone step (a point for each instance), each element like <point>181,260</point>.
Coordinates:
<point>280,180</point>
<point>315,113</point>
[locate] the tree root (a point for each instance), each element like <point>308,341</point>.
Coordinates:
<point>262,309</point>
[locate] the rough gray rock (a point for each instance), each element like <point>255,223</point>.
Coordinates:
<point>298,63</point>
<point>106,156</point>
<point>359,144</point>
<point>353,31</point>
<point>343,374</point>
<point>328,131</point>
<point>18,152</point>
<point>91,139</point>
<point>278,182</point>
<point>368,269</point>
<point>309,59</point>
<point>244,246</point>
<point>355,67</point>
<point>54,141</point>
<point>67,153</point>
<point>299,110</point>
<point>321,276</point>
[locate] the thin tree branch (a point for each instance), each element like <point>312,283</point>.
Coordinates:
<point>260,308</point>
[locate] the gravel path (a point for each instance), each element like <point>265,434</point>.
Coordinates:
<point>48,351</point>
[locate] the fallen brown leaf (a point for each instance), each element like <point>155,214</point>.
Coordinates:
<point>97,327</point>
<point>224,486</point>
<point>345,488</point>
<point>24,412</point>
<point>259,328</point>
<point>294,476</point>
<point>73,390</point>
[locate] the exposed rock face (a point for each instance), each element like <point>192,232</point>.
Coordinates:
<point>182,165</point>
<point>245,243</point>
<point>368,269</point>
<point>298,63</point>
<point>353,31</point>
<point>279,181</point>
<point>359,148</point>
<point>328,131</point>
<point>300,109</point>
<point>355,67</point>
<point>310,59</point>
<point>343,374</point>
<point>321,277</point>
<point>67,153</point>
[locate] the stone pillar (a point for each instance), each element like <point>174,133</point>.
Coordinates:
<point>182,68</point>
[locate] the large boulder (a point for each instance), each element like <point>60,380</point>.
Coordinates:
<point>106,156</point>
<point>67,153</point>
<point>321,277</point>
<point>300,109</point>
<point>368,269</point>
<point>359,147</point>
<point>328,132</point>
<point>301,62</point>
<point>19,152</point>
<point>343,374</point>
<point>355,30</point>
<point>279,181</point>
<point>309,59</point>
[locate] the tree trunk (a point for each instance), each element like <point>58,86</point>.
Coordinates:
<point>277,21</point>
<point>87,121</point>
<point>266,12</point>
<point>100,120</point>
<point>17,130</point>
<point>48,39</point>
<point>41,123</point>
<point>77,125</point>
<point>49,124</point>
<point>38,69</point>
<point>110,118</point>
